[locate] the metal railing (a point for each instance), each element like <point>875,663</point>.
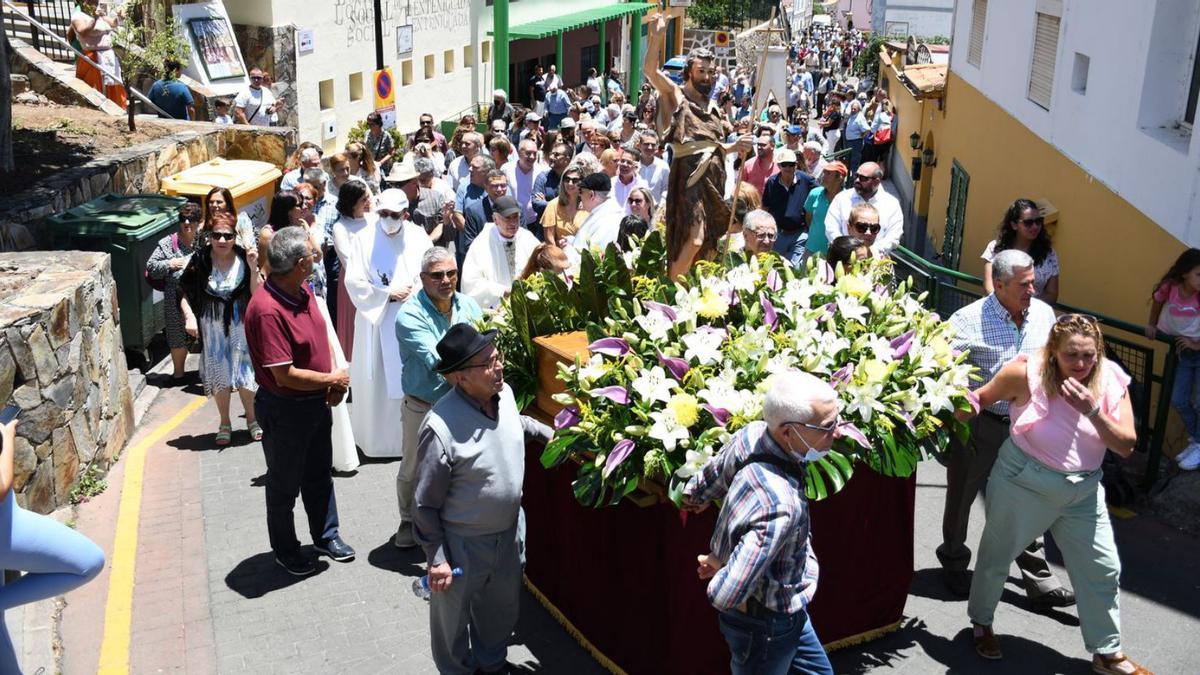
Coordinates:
<point>54,15</point>
<point>949,290</point>
<point>37,25</point>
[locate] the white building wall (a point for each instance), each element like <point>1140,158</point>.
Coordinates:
<point>1123,127</point>
<point>922,18</point>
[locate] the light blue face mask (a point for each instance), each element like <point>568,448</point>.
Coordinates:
<point>811,454</point>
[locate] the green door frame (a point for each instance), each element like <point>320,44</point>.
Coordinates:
<point>956,211</point>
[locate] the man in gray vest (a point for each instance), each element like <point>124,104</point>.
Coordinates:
<point>470,472</point>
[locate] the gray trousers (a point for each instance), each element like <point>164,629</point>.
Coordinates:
<point>967,470</point>
<point>406,478</point>
<point>470,622</point>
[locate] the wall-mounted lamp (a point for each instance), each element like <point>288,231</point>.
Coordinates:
<point>914,141</point>
<point>928,158</point>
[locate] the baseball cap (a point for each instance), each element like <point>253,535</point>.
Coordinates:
<point>785,156</point>
<point>597,182</point>
<point>533,117</point>
<point>795,130</point>
<point>506,206</point>
<point>837,167</point>
<point>393,200</point>
<point>567,123</point>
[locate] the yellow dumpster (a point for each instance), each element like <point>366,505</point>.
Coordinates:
<point>251,183</point>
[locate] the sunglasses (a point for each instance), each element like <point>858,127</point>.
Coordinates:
<point>636,200</point>
<point>426,123</point>
<point>439,276</point>
<point>864,228</point>
<point>860,177</point>
<point>256,78</point>
<point>1086,318</point>
<point>787,165</point>
<point>571,180</point>
<point>223,236</point>
<point>817,427</point>
<point>1033,222</point>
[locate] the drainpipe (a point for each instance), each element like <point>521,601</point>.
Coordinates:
<point>500,45</point>
<point>378,35</point>
<point>603,63</point>
<point>635,57</point>
<point>558,55</point>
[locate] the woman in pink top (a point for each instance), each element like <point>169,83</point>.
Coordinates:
<point>1068,405</point>
<point>1175,316</point>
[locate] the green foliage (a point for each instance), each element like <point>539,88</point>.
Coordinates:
<point>91,483</point>
<point>709,14</point>
<point>147,43</point>
<point>866,64</point>
<point>358,133</point>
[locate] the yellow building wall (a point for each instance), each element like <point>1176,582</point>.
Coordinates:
<point>913,114</point>
<point>1109,252</point>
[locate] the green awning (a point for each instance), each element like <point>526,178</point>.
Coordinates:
<point>535,30</point>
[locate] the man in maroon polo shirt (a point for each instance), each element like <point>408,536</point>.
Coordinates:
<point>294,367</point>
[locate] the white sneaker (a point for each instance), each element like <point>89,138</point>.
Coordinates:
<point>1189,459</point>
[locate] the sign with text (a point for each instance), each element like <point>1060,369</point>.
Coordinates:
<point>404,41</point>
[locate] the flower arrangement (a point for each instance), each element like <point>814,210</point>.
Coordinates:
<point>676,367</point>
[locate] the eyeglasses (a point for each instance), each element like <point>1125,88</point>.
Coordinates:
<point>817,427</point>
<point>223,236</point>
<point>256,78</point>
<point>1033,222</point>
<point>766,236</point>
<point>1086,318</point>
<point>426,123</point>
<point>864,228</point>
<point>440,275</point>
<point>567,179</point>
<point>497,359</point>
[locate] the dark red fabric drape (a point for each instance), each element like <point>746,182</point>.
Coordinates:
<point>626,576</point>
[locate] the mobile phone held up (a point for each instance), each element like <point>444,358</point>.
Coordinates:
<point>9,413</point>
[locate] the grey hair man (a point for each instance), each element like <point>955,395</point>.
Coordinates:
<point>460,168</point>
<point>420,325</point>
<point>434,207</point>
<point>761,567</point>
<point>995,329</point>
<point>294,366</point>
<point>759,230</point>
<point>310,158</point>
<point>814,162</point>
<point>470,473</point>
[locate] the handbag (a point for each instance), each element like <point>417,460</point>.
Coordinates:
<point>883,135</point>
<point>161,284</point>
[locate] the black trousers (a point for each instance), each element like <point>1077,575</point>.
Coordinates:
<point>297,442</point>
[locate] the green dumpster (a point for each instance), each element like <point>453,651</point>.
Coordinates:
<point>128,228</point>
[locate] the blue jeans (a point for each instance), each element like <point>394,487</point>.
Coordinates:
<point>791,245</point>
<point>1185,396</point>
<point>55,559</point>
<point>770,643</point>
<point>856,153</point>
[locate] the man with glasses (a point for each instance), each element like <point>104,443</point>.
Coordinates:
<point>762,572</point>
<point>652,168</point>
<point>426,122</point>
<point>420,325</point>
<point>498,255</point>
<point>867,190</point>
<point>759,231</point>
<point>628,177</point>
<point>256,104</point>
<point>545,186</point>
<point>603,223</point>
<point>310,158</point>
<point>480,213</point>
<point>994,330</point>
<point>470,474</point>
<point>783,196</point>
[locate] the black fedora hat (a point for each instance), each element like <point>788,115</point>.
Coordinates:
<point>459,345</point>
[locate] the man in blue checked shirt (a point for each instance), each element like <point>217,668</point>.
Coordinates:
<point>761,569</point>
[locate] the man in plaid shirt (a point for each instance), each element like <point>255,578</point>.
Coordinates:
<point>761,570</point>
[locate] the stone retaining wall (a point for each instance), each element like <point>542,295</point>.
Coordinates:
<point>62,361</point>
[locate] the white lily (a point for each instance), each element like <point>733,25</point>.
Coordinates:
<point>667,430</point>
<point>704,345</point>
<point>938,393</point>
<point>653,385</point>
<point>863,400</point>
<point>656,325</point>
<point>694,461</point>
<point>851,309</point>
<point>742,278</point>
<point>592,369</point>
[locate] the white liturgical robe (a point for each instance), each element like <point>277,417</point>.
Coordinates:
<point>486,273</point>
<point>377,265</point>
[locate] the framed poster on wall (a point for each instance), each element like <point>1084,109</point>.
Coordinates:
<point>214,46</point>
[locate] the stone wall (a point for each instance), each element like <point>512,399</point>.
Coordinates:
<point>139,169</point>
<point>62,361</point>
<point>46,77</point>
<point>695,38</point>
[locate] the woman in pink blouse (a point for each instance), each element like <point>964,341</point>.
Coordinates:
<point>1068,405</point>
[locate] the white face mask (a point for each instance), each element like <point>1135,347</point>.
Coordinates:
<point>811,454</point>
<point>391,225</point>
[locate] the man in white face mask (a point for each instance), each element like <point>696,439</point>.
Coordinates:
<point>382,272</point>
<point>762,570</point>
<point>498,256</point>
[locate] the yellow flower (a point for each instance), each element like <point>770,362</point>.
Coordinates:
<point>858,285</point>
<point>876,371</point>
<point>685,408</point>
<point>711,305</point>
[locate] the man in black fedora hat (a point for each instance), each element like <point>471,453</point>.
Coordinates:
<point>470,472</point>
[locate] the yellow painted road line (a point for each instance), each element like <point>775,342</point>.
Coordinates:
<point>118,611</point>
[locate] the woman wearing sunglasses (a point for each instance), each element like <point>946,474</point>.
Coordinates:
<point>1068,406</point>
<point>1025,229</point>
<point>217,284</point>
<point>864,224</point>
<point>563,216</point>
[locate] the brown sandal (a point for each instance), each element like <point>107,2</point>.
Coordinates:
<point>1104,666</point>
<point>987,645</point>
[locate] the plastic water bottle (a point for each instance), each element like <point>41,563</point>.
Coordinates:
<point>420,587</point>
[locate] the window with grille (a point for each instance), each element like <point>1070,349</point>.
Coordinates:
<point>1045,50</point>
<point>956,215</point>
<point>978,22</point>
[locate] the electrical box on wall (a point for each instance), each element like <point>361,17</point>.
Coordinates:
<point>329,127</point>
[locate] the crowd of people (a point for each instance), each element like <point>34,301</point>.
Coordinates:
<point>376,261</point>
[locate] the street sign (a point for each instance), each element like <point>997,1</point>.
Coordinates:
<point>679,3</point>
<point>404,41</point>
<point>385,91</point>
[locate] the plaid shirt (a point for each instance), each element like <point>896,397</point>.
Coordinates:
<point>762,532</point>
<point>987,331</point>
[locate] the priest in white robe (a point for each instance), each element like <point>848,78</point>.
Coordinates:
<point>382,272</point>
<point>498,255</point>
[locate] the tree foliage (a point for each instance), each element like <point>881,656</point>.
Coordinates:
<point>147,41</point>
<point>866,64</point>
<point>709,14</point>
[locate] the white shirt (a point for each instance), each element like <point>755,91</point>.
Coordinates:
<point>601,228</point>
<point>655,174</point>
<point>254,104</point>
<point>520,185</point>
<point>460,169</point>
<point>891,218</point>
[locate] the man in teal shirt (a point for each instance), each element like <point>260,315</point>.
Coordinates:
<point>420,325</point>
<point>817,204</point>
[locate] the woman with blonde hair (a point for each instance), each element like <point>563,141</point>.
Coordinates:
<point>546,258</point>
<point>608,160</point>
<point>362,164</point>
<point>1068,406</point>
<point>640,203</point>
<point>563,216</point>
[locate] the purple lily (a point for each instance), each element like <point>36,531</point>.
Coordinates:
<point>769,315</point>
<point>843,375</point>
<point>773,281</point>
<point>677,367</point>
<point>829,311</point>
<point>666,310</point>
<point>616,394</point>
<point>620,453</point>
<point>720,415</point>
<point>908,422</point>
<point>855,434</point>
<point>610,346</point>
<point>902,344</point>
<point>567,418</point>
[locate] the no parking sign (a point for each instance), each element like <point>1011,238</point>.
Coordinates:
<point>385,97</point>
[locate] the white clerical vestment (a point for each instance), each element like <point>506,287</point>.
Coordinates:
<point>487,274</point>
<point>601,227</point>
<point>377,265</point>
